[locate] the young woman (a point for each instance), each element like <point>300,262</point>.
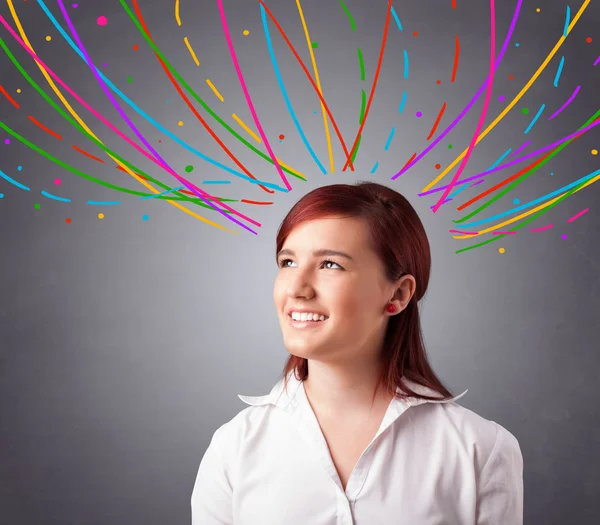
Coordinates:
<point>359,430</point>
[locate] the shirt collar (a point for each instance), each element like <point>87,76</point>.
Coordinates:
<point>281,398</point>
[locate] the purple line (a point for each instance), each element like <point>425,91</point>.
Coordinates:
<point>571,98</point>
<point>597,61</point>
<point>516,161</point>
<point>132,126</point>
<point>522,147</point>
<point>475,98</point>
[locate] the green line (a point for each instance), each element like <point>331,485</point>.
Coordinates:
<point>356,150</point>
<point>353,25</point>
<point>362,106</point>
<point>362,65</point>
<point>195,95</point>
<point>528,173</point>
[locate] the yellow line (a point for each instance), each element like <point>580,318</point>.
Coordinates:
<point>187,43</point>
<point>215,90</point>
<point>526,214</point>
<point>515,100</point>
<point>84,126</point>
<point>246,128</point>
<point>177,12</point>
<point>314,64</point>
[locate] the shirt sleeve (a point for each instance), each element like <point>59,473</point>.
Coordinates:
<point>500,491</point>
<point>211,496</point>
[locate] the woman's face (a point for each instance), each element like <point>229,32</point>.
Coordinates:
<point>351,291</point>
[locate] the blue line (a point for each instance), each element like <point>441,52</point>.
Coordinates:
<point>131,104</point>
<point>54,197</point>
<point>374,169</point>
<point>216,182</point>
<point>459,190</point>
<point>284,92</point>
<point>567,20</point>
<point>103,203</point>
<point>387,144</point>
<point>401,108</point>
<point>396,18</point>
<point>159,194</point>
<point>536,201</point>
<point>500,159</point>
<point>13,181</point>
<point>558,73</point>
<point>405,63</point>
<point>535,119</point>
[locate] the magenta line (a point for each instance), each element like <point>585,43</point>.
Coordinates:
<point>473,100</point>
<point>521,148</point>
<point>571,98</point>
<point>464,233</point>
<point>486,104</point>
<point>578,215</point>
<point>238,70</point>
<point>533,230</point>
<point>191,186</point>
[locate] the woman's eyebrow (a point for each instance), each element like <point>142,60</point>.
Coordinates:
<point>317,253</point>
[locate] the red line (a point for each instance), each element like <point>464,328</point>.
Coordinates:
<point>410,160</point>
<point>456,55</point>
<point>10,99</point>
<point>437,121</point>
<point>256,202</point>
<point>44,128</point>
<point>381,52</point>
<point>87,154</point>
<point>192,108</point>
<point>293,50</point>
<point>453,4</point>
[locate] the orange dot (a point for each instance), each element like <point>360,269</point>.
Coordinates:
<point>589,39</point>
<point>416,33</point>
<point>438,81</point>
<point>136,47</point>
<point>438,166</point>
<point>511,77</point>
<point>68,221</point>
<point>281,137</point>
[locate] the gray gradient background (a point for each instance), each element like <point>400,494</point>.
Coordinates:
<point>124,343</point>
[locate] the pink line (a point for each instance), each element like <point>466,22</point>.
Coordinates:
<point>236,65</point>
<point>483,112</point>
<point>571,98</point>
<point>578,215</point>
<point>107,123</point>
<point>533,230</point>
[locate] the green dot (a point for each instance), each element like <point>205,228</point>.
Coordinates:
<point>129,79</point>
<point>449,146</point>
<point>525,111</point>
<point>36,206</point>
<point>315,45</point>
<point>189,168</point>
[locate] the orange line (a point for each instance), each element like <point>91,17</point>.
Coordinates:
<point>44,128</point>
<point>10,99</point>
<point>192,108</point>
<point>456,54</point>
<point>87,154</point>
<point>437,121</point>
<point>381,52</point>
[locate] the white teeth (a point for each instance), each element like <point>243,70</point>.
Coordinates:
<point>297,316</point>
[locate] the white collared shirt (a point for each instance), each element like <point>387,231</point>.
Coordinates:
<point>430,463</point>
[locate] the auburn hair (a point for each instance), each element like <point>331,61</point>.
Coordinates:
<point>398,237</point>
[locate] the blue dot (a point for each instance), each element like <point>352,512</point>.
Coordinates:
<point>552,173</point>
<point>145,217</point>
<point>168,101</point>
<point>517,44</point>
<point>516,201</point>
<point>19,168</point>
<point>315,113</point>
<point>1,195</point>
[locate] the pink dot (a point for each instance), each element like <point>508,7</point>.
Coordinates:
<point>57,181</point>
<point>102,20</point>
<point>564,236</point>
<point>6,141</point>
<point>74,6</point>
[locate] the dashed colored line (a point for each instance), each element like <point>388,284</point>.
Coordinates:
<point>216,182</point>
<point>567,20</point>
<point>500,159</point>
<point>389,140</point>
<point>575,217</point>
<point>597,61</point>
<point>215,90</point>
<point>374,169</point>
<point>187,43</point>
<point>520,148</point>
<point>256,202</point>
<point>402,102</point>
<point>537,116</point>
<point>564,106</point>
<point>89,155</point>
<point>405,64</point>
<point>41,126</point>
<point>349,15</point>
<point>13,181</point>
<point>437,121</point>
<point>246,128</point>
<point>13,101</point>
<point>54,197</point>
<point>559,71</point>
<point>396,19</point>
<point>103,203</point>
<point>361,63</point>
<point>177,13</point>
<point>456,56</point>
<point>162,193</point>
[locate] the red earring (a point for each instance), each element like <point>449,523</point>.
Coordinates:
<point>391,308</point>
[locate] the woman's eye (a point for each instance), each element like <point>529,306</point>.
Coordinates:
<point>282,263</point>
<point>328,262</point>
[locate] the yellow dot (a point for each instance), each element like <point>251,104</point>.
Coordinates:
<point>501,250</point>
<point>180,123</point>
<point>246,32</point>
<point>48,38</point>
<point>19,90</point>
<point>101,215</point>
<point>594,152</point>
<point>538,9</point>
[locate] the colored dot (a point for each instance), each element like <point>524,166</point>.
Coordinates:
<point>1,195</point>
<point>594,152</point>
<point>68,220</point>
<point>501,250</point>
<point>511,77</point>
<point>159,141</point>
<point>19,168</point>
<point>145,217</point>
<point>315,45</point>
<point>589,40</point>
<point>538,9</point>
<point>564,236</point>
<point>416,33</point>
<point>438,166</point>
<point>281,137</point>
<point>102,20</point>
<point>419,114</point>
<point>189,168</point>
<point>36,206</point>
<point>18,90</point>
<point>501,98</point>
<point>315,113</point>
<point>438,81</point>
<point>57,182</point>
<point>525,111</point>
<point>6,141</point>
<point>129,79</point>
<point>517,44</point>
<point>180,123</point>
<point>101,215</point>
<point>136,47</point>
<point>516,201</point>
<point>449,146</point>
<point>246,32</point>
<point>48,38</point>
<point>75,6</point>
<point>551,173</point>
